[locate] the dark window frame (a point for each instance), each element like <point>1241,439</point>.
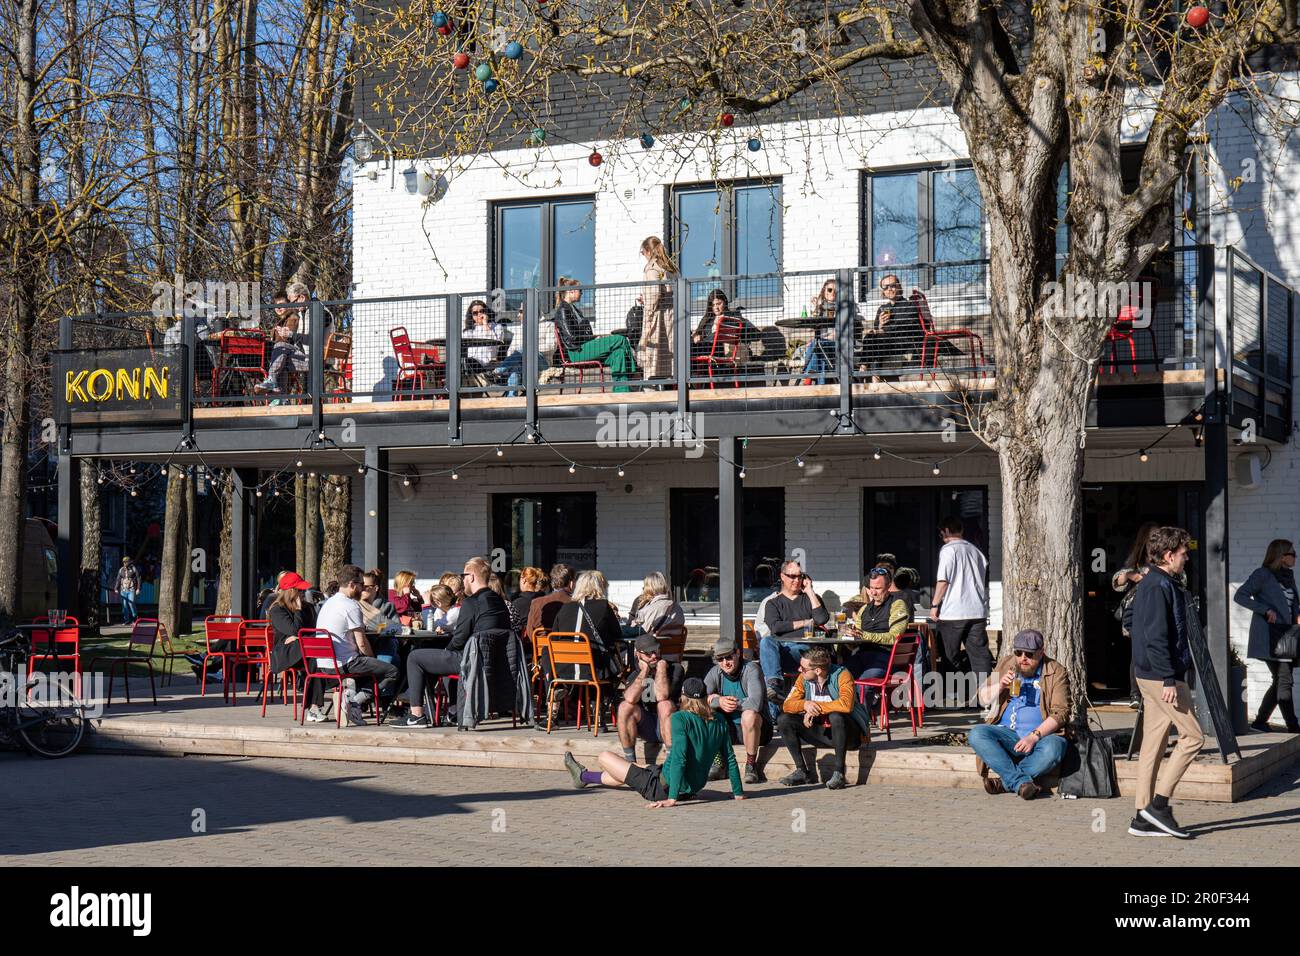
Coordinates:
<point>548,499</point>
<point>547,226</point>
<point>677,580</point>
<point>726,190</point>
<point>925,233</point>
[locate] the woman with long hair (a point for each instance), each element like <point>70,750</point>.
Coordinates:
<point>1125,581</point>
<point>481,323</point>
<point>655,349</point>
<point>699,739</point>
<point>1270,592</point>
<point>655,608</point>
<point>578,343</point>
<point>406,600</point>
<point>591,612</point>
<point>532,585</point>
<point>289,614</point>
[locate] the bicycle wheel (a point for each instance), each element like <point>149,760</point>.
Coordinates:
<point>53,722</point>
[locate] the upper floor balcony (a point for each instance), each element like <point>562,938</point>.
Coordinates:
<point>897,349</point>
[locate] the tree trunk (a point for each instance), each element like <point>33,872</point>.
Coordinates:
<point>300,525</point>
<point>169,577</point>
<point>186,597</point>
<point>336,516</point>
<point>311,549</point>
<point>226,562</point>
<point>92,548</point>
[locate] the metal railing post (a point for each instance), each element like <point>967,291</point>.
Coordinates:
<point>531,347</point>
<point>682,328</point>
<point>453,369</point>
<point>189,369</point>
<point>844,340</point>
<point>316,363</point>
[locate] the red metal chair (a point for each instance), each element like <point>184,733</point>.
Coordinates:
<point>255,652</point>
<point>726,340</point>
<point>321,664</point>
<point>591,365</point>
<point>248,346</point>
<point>1122,330</point>
<point>221,628</point>
<point>46,646</point>
<point>143,632</point>
<point>975,344</point>
<point>899,673</point>
<point>414,364</point>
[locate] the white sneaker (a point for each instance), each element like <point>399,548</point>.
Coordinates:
<point>314,716</point>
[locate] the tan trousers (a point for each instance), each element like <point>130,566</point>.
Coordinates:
<point>1157,719</point>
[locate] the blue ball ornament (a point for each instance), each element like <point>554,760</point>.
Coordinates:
<point>490,86</point>
<point>514,50</point>
<point>483,72</point>
<point>754,145</point>
<point>440,19</point>
<point>647,140</point>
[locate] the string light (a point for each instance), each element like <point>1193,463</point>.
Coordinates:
<point>298,463</point>
<point>406,482</point>
<point>935,470</point>
<point>572,468</point>
<point>455,475</point>
<point>620,471</point>
<point>876,455</point>
<point>500,453</point>
<point>742,474</point>
<point>799,462</point>
<point>361,469</point>
<point>1142,455</point>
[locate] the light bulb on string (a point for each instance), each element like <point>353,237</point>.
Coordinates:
<point>935,469</point>
<point>134,493</point>
<point>1142,454</point>
<point>876,454</point>
<point>572,468</point>
<point>620,471</point>
<point>298,463</point>
<point>361,469</point>
<point>406,482</point>
<point>455,475</point>
<point>799,462</point>
<point>742,473</point>
<point>500,453</point>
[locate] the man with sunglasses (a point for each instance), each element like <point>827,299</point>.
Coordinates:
<point>736,693</point>
<point>881,621</point>
<point>788,614</point>
<point>1023,737</point>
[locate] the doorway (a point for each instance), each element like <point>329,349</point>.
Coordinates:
<point>1112,515</point>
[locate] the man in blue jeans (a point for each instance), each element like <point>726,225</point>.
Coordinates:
<point>1023,737</point>
<point>128,586</point>
<point>792,611</point>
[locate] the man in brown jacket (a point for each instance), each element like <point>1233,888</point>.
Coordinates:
<point>1023,736</point>
<point>541,613</point>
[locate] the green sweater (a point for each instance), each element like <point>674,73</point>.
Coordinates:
<point>695,743</point>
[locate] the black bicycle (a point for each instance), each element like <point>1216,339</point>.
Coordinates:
<point>37,711</point>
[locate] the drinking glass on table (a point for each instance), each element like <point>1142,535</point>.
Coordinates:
<point>809,633</point>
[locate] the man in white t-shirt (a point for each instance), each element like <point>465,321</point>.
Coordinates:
<point>961,598</point>
<point>343,617</point>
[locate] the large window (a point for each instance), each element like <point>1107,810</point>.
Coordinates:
<point>729,230</point>
<point>693,525</point>
<point>537,242</point>
<point>539,530</point>
<point>925,216</point>
<point>905,523</point>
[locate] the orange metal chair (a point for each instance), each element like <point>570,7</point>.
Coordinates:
<point>166,652</point>
<point>573,649</point>
<point>748,640</point>
<point>672,643</point>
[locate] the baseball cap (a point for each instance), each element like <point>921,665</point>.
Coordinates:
<point>693,688</point>
<point>724,647</point>
<point>647,644</point>
<point>290,579</point>
<point>1028,641</point>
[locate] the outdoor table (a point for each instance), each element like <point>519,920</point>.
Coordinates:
<point>814,322</point>
<point>466,342</point>
<point>418,638</point>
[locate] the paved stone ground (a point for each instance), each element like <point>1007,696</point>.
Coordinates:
<point>139,811</point>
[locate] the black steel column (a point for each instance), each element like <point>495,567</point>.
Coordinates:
<point>682,346</point>
<point>532,337</point>
<point>845,342</point>
<point>731,526</point>
<point>376,518</point>
<point>243,542</point>
<point>454,366</point>
<point>69,543</point>
<point>1213,551</point>
<point>316,363</point>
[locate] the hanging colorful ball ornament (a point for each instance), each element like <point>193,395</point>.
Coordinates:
<point>595,158</point>
<point>754,144</point>
<point>460,61</point>
<point>490,86</point>
<point>445,30</point>
<point>514,50</point>
<point>483,72</point>
<point>728,119</point>
<point>1198,17</point>
<point>647,140</point>
<point>537,137</point>
<point>684,104</point>
<point>440,19</point>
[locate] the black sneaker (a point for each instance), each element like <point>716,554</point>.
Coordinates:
<point>774,692</point>
<point>796,779</point>
<point>717,771</point>
<point>836,781</point>
<point>753,774</point>
<point>1164,819</point>
<point>413,721</point>
<point>1140,827</point>
<point>575,770</point>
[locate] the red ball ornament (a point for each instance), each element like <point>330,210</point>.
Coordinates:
<point>595,158</point>
<point>445,30</point>
<point>728,119</point>
<point>460,60</point>
<point>1198,17</point>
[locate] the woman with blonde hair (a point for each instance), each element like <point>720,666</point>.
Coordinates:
<point>406,600</point>
<point>655,349</point>
<point>655,610</point>
<point>578,343</point>
<point>591,613</point>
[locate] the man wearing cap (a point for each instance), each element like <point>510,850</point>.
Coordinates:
<point>700,737</point>
<point>1023,736</point>
<point>739,698</point>
<point>647,703</point>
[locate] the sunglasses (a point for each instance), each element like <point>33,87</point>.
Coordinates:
<point>792,577</point>
<point>891,286</point>
<point>477,312</point>
<point>1020,653</point>
<point>1289,554</point>
<point>878,571</point>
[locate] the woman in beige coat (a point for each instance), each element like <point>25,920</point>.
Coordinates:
<point>655,349</point>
